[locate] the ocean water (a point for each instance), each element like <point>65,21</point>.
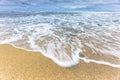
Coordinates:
<point>66,38</point>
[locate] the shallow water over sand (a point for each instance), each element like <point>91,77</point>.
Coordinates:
<point>66,38</point>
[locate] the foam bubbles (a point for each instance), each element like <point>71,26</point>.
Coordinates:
<point>66,38</point>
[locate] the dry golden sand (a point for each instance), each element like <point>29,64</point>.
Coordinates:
<point>17,64</point>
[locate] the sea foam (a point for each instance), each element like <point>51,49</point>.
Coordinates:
<point>66,38</point>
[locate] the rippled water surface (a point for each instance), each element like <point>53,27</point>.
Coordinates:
<point>66,38</point>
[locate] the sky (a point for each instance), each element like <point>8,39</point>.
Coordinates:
<point>60,5</point>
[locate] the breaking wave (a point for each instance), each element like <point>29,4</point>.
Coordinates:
<point>66,38</point>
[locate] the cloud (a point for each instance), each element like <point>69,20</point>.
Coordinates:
<point>60,5</point>
<point>75,6</point>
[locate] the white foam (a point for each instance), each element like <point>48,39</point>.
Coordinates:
<point>62,37</point>
<point>100,62</point>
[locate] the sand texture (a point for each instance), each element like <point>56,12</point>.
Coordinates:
<point>17,64</point>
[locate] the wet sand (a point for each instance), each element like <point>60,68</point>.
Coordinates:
<point>17,64</point>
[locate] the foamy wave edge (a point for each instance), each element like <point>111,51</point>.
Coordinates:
<point>50,28</point>
<point>63,64</point>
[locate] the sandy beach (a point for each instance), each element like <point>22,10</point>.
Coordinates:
<point>17,64</point>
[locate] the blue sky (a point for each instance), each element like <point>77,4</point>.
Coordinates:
<point>60,5</point>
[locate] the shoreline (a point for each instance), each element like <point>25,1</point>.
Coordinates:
<point>83,59</point>
<point>18,64</point>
